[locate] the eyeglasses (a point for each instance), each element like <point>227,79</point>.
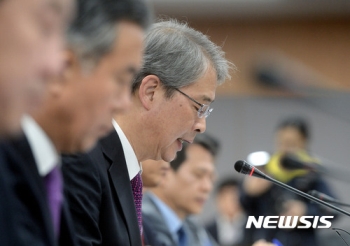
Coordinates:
<point>204,110</point>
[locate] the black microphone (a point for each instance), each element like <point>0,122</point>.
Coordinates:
<point>245,168</point>
<point>326,198</point>
<point>291,162</point>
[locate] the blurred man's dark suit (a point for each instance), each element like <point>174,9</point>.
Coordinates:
<point>7,226</point>
<point>100,196</point>
<point>32,218</point>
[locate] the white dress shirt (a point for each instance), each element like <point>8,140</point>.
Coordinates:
<point>133,165</point>
<point>44,151</point>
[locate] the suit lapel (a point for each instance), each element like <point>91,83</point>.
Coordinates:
<point>120,183</point>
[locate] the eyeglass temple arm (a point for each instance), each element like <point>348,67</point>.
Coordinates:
<point>190,98</point>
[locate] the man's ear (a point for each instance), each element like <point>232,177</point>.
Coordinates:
<point>149,90</point>
<point>70,68</point>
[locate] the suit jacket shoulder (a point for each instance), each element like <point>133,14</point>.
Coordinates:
<point>196,235</point>
<point>31,209</point>
<point>100,196</point>
<point>212,229</point>
<point>83,193</point>
<point>155,223</point>
<point>8,235</point>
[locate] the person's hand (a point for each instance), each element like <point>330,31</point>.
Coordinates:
<point>262,242</point>
<point>255,186</point>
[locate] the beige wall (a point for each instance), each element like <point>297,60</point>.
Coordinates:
<point>321,46</point>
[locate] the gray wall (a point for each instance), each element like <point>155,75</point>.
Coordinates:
<point>244,125</point>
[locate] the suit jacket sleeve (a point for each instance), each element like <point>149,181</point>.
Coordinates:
<point>83,193</point>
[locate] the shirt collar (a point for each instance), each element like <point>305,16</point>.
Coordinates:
<point>171,219</point>
<point>44,151</point>
<point>133,165</point>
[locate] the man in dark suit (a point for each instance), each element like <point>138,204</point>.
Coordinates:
<point>182,193</point>
<point>171,97</point>
<point>33,220</point>
<point>30,53</point>
<point>105,43</point>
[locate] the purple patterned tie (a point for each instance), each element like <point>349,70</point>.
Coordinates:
<point>54,189</point>
<point>136,185</point>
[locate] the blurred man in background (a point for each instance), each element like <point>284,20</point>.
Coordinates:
<point>262,198</point>
<point>228,227</point>
<point>153,173</point>
<point>171,100</point>
<point>182,193</point>
<point>31,43</point>
<point>104,51</point>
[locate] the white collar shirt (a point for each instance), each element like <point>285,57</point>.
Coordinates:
<point>44,151</point>
<point>133,165</point>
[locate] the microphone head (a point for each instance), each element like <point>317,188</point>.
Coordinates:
<point>291,162</point>
<point>243,167</point>
<point>246,168</point>
<point>239,165</point>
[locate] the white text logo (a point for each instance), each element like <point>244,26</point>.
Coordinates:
<point>288,222</point>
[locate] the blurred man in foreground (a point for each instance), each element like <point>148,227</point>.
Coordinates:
<point>171,100</point>
<point>31,43</point>
<point>182,193</point>
<point>104,51</point>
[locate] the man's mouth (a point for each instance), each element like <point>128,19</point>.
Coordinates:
<point>180,143</point>
<point>184,140</point>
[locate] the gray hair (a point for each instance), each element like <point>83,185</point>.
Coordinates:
<point>179,56</point>
<point>94,30</point>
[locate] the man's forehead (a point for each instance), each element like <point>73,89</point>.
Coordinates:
<point>206,96</point>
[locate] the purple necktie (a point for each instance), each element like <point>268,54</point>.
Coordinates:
<point>136,185</point>
<point>54,189</point>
